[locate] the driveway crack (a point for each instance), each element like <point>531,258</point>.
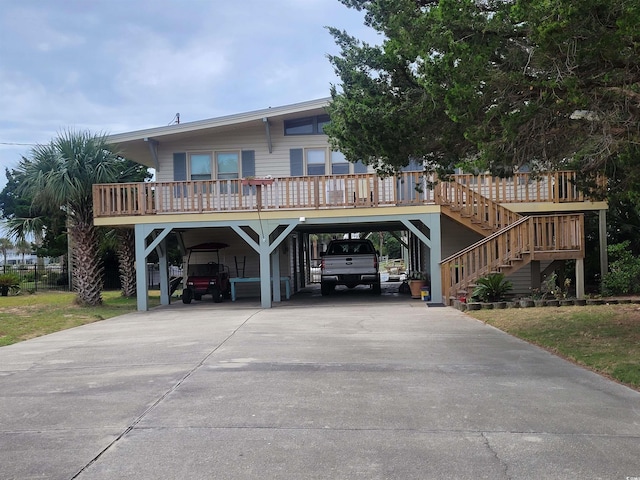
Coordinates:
<point>502,463</point>
<point>162,397</point>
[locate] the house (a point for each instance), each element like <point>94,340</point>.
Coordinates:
<point>264,181</point>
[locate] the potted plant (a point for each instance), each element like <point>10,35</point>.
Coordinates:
<point>492,289</point>
<point>417,280</point>
<point>255,181</point>
<point>9,282</point>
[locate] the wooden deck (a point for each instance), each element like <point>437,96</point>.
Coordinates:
<point>335,191</point>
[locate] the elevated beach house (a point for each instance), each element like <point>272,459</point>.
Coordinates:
<point>262,182</point>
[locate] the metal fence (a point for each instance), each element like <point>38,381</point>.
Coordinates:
<point>38,277</point>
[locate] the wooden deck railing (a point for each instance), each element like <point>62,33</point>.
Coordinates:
<point>288,193</point>
<point>462,200</point>
<point>556,187</point>
<point>332,191</point>
<point>539,237</point>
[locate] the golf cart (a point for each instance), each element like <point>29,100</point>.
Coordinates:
<point>206,277</point>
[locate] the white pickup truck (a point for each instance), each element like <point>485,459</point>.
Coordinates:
<point>349,262</point>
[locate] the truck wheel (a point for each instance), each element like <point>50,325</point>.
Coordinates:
<point>216,293</point>
<point>326,288</point>
<point>187,295</point>
<point>376,289</point>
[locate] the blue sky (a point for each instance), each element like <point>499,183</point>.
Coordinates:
<point>119,65</point>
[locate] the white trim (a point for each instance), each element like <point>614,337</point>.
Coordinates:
<point>257,115</point>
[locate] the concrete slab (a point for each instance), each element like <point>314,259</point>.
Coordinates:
<point>349,386</point>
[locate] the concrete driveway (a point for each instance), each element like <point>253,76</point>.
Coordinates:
<point>349,387</point>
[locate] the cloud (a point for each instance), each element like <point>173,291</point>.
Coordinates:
<point>33,27</point>
<point>120,65</point>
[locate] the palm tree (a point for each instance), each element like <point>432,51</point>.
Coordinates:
<point>126,258</point>
<point>5,244</point>
<point>61,175</point>
<point>23,247</point>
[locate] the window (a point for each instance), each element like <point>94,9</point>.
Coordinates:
<point>299,126</point>
<point>227,164</point>
<point>315,161</point>
<point>200,166</point>
<point>306,126</point>
<point>339,164</point>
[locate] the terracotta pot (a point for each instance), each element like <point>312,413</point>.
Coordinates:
<point>416,286</point>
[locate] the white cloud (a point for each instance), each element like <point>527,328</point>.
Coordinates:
<point>120,65</point>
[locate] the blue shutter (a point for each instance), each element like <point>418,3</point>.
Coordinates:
<point>248,168</point>
<point>248,163</point>
<point>296,160</point>
<point>180,173</point>
<point>179,167</point>
<point>360,167</point>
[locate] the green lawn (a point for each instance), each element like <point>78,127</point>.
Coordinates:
<point>604,338</point>
<point>27,316</point>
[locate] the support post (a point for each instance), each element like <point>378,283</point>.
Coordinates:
<point>535,274</point>
<point>265,273</point>
<point>580,278</point>
<point>435,256</point>
<point>163,272</point>
<point>303,259</point>
<point>141,270</point>
<point>275,274</point>
<point>602,236</point>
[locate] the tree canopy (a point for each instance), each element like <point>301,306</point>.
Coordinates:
<point>490,85</point>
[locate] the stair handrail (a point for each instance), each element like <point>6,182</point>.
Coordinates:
<point>486,255</point>
<point>486,239</point>
<point>465,199</point>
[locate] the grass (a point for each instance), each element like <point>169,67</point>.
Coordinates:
<point>603,338</point>
<point>28,316</point>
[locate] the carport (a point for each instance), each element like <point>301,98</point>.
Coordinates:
<point>264,232</point>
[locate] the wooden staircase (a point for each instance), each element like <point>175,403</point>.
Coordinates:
<point>511,240</point>
<point>473,210</point>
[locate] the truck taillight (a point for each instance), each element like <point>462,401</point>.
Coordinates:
<point>375,261</point>
<point>322,264</point>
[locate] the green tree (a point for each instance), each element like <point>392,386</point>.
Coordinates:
<point>492,85</point>
<point>5,245</point>
<point>61,175</point>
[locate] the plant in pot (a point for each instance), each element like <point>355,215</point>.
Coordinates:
<point>9,282</point>
<point>492,289</point>
<point>417,280</point>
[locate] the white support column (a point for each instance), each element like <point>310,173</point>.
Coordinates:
<point>434,243</point>
<point>435,256</point>
<point>275,274</point>
<point>580,278</point>
<point>265,273</point>
<point>163,272</point>
<point>265,249</point>
<point>141,269</point>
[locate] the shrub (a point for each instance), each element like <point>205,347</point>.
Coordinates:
<point>9,282</point>
<point>623,277</point>
<point>492,288</point>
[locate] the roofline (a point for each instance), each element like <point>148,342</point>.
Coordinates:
<point>218,121</point>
